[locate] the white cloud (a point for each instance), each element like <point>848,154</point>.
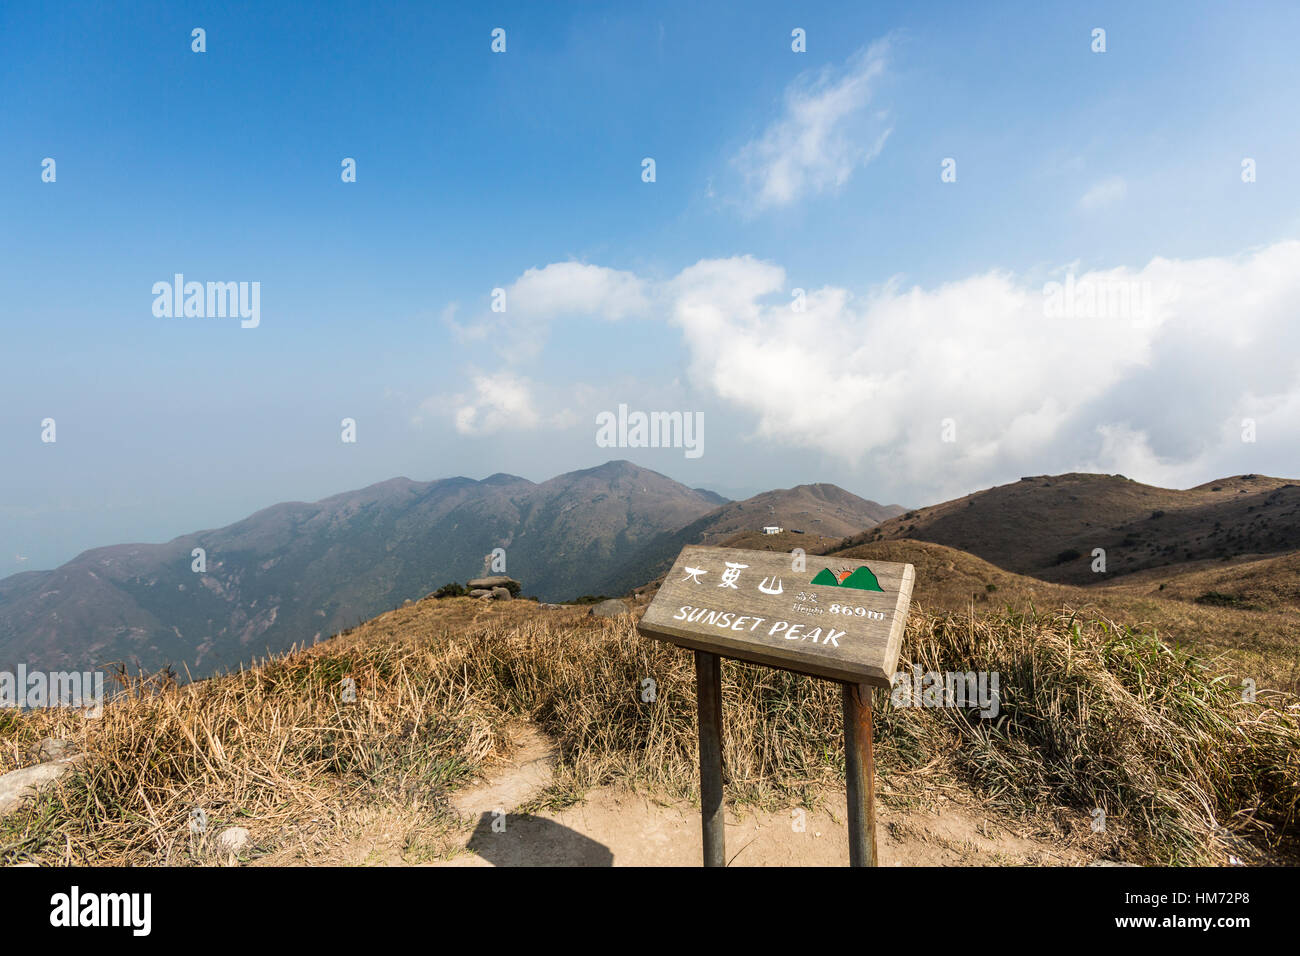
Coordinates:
<point>824,133</point>
<point>1103,194</point>
<point>540,296</point>
<point>503,402</point>
<point>575,288</point>
<point>1127,451</point>
<point>1153,385</point>
<point>499,402</point>
<point>1148,372</point>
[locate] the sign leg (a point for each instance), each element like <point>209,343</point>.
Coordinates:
<point>860,771</point>
<point>708,687</point>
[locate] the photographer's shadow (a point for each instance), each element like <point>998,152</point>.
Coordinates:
<point>525,840</point>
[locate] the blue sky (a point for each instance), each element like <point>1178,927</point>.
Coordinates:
<point>775,170</point>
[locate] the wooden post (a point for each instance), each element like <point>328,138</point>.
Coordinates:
<point>708,688</point>
<point>860,773</point>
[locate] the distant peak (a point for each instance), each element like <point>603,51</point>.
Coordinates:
<point>616,468</point>
<point>501,478</point>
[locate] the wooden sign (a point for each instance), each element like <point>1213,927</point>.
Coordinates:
<point>839,619</point>
<point>834,618</point>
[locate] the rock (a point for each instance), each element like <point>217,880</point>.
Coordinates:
<point>501,594</point>
<point>611,608</point>
<point>495,581</point>
<point>480,593</point>
<point>19,785</point>
<point>51,748</point>
<point>234,841</point>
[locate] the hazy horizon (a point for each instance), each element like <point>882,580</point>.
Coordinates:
<point>739,495</point>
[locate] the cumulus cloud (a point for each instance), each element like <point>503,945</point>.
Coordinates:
<point>542,295</point>
<point>576,288</point>
<point>498,402</point>
<point>1149,371</point>
<point>824,133</point>
<point>506,402</point>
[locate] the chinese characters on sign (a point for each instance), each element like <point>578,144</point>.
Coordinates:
<point>842,619</point>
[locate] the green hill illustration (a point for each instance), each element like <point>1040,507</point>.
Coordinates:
<point>863,579</point>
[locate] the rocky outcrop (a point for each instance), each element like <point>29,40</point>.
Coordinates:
<point>493,581</point>
<point>496,586</point>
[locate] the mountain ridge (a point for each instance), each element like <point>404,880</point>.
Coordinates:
<point>296,572</point>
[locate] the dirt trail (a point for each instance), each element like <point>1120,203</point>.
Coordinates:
<point>615,827</point>
<point>620,827</point>
<point>529,773</point>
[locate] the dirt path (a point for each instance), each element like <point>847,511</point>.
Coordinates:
<point>615,827</point>
<point>620,827</point>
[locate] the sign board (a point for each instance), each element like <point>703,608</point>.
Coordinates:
<point>840,619</point>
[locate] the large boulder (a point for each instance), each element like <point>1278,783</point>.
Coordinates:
<point>501,594</point>
<point>20,785</point>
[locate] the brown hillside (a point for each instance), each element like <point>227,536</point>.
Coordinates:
<point>1255,583</point>
<point>1048,526</point>
<point>1260,641</point>
<point>814,517</point>
<point>818,510</point>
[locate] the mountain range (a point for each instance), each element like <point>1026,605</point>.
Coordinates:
<point>295,572</point>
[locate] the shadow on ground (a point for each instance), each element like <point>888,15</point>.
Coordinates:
<point>524,840</point>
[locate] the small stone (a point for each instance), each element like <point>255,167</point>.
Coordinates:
<point>234,840</point>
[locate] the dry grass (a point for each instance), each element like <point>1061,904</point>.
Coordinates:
<point>1263,645</point>
<point>1092,715</point>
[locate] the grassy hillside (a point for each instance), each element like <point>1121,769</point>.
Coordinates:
<point>1093,714</point>
<point>1267,584</point>
<point>1259,640</point>
<point>1049,526</point>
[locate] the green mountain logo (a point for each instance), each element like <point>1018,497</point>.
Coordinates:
<point>862,579</point>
